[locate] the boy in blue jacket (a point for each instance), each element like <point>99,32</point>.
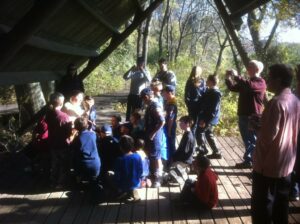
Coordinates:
<point>128,170</point>
<point>209,116</point>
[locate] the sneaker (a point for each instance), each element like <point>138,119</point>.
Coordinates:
<point>176,177</point>
<point>243,165</point>
<point>182,172</point>
<point>156,184</point>
<point>201,150</point>
<point>135,195</point>
<point>214,156</point>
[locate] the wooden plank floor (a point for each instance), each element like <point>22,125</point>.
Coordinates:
<point>27,199</point>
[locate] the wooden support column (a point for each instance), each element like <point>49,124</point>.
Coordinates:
<point>118,39</point>
<point>231,30</point>
<point>13,41</point>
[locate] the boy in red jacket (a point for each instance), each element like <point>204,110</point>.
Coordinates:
<point>205,188</point>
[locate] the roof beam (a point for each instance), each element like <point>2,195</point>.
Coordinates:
<point>138,6</point>
<point>118,39</point>
<point>231,30</point>
<point>16,78</point>
<point>57,47</point>
<point>98,16</point>
<point>245,8</point>
<point>13,41</point>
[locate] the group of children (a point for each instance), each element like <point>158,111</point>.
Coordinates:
<point>122,157</point>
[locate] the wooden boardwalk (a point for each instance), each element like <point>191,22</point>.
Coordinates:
<point>27,199</point>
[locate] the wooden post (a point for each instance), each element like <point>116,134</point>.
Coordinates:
<point>118,39</point>
<point>14,40</point>
<point>232,32</point>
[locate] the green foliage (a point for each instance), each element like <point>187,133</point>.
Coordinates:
<point>7,95</point>
<point>108,77</point>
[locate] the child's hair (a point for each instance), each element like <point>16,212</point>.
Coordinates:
<point>139,144</point>
<point>136,115</point>
<point>126,143</point>
<point>196,72</point>
<point>197,80</point>
<point>88,98</point>
<point>214,79</point>
<point>127,126</point>
<point>187,120</point>
<point>54,100</point>
<point>117,117</point>
<point>81,123</point>
<point>202,161</point>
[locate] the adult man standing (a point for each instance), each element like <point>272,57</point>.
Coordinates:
<point>251,98</point>
<point>70,82</point>
<point>165,76</point>
<point>140,79</point>
<point>275,153</point>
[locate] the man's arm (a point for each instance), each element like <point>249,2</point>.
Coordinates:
<point>129,73</point>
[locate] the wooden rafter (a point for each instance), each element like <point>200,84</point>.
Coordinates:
<point>50,45</point>
<point>246,7</point>
<point>16,78</point>
<point>138,6</point>
<point>100,17</point>
<point>118,39</point>
<point>231,30</point>
<point>13,41</point>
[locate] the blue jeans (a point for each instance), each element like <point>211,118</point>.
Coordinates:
<point>248,137</point>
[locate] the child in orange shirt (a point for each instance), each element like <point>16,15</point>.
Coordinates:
<point>205,188</point>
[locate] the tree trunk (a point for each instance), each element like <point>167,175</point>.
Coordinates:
<point>48,88</point>
<point>139,46</point>
<point>219,61</point>
<point>146,38</point>
<point>30,100</point>
<point>163,23</point>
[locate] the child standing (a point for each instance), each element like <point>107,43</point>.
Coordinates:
<point>154,122</point>
<point>128,170</point>
<point>204,191</point>
<point>209,116</point>
<point>90,109</point>
<point>171,116</point>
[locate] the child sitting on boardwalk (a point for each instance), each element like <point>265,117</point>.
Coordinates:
<point>86,158</point>
<point>128,170</point>
<point>204,191</point>
<point>183,157</point>
<point>108,149</point>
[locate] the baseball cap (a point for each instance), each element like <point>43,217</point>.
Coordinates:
<point>106,129</point>
<point>146,92</point>
<point>169,88</point>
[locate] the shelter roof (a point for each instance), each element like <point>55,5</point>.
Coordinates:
<point>41,37</point>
